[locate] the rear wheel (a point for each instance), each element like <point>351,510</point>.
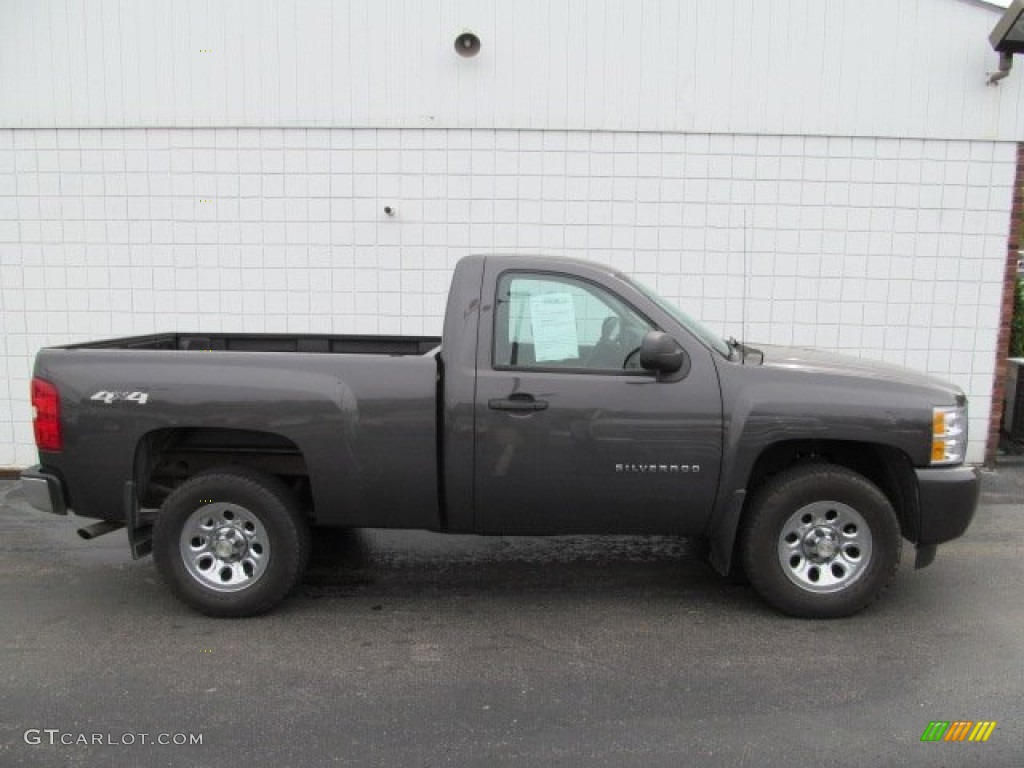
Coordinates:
<point>231,542</point>
<point>820,541</point>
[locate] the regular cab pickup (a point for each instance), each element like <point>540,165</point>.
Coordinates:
<point>564,397</point>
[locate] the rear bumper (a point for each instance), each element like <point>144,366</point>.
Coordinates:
<point>947,498</point>
<point>43,490</point>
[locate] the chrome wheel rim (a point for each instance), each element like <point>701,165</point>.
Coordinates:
<point>224,547</point>
<point>825,547</point>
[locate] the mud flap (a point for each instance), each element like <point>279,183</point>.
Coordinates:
<point>723,532</point>
<point>140,534</point>
<point>925,555</point>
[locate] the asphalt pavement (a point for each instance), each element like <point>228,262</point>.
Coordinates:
<point>413,649</point>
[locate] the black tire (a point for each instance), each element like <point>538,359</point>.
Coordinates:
<point>808,565</point>
<point>258,517</point>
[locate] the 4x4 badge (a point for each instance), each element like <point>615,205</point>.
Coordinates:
<point>109,397</point>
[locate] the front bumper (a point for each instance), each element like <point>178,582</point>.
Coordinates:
<point>43,490</point>
<point>947,498</point>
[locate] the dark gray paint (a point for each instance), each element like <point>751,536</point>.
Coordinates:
<point>410,442</point>
<point>554,471</point>
<point>366,424</point>
<point>458,382</point>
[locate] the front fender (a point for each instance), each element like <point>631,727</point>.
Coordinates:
<point>766,408</point>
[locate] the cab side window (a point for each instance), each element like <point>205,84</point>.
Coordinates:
<point>551,321</point>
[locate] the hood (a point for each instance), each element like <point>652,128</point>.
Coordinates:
<point>816,361</point>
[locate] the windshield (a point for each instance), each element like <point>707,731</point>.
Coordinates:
<point>693,326</point>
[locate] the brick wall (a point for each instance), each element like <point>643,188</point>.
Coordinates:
<point>1013,247</point>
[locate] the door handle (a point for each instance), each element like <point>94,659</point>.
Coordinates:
<point>520,401</point>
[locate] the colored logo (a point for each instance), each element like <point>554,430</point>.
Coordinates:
<point>958,730</point>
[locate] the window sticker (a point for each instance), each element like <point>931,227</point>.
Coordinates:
<point>553,321</point>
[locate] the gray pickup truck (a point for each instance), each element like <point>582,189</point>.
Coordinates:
<point>563,398</point>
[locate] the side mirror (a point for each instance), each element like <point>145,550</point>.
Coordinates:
<point>661,353</point>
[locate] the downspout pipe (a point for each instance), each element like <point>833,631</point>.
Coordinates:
<point>1005,64</point>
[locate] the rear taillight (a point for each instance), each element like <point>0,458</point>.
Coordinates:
<point>46,416</point>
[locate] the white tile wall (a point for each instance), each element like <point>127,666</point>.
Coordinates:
<point>892,249</point>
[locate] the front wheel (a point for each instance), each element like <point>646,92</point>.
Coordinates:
<point>231,542</point>
<point>820,541</point>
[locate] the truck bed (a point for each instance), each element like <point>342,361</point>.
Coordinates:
<point>353,421</point>
<point>271,342</point>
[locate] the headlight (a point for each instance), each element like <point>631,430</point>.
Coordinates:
<point>949,435</point>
